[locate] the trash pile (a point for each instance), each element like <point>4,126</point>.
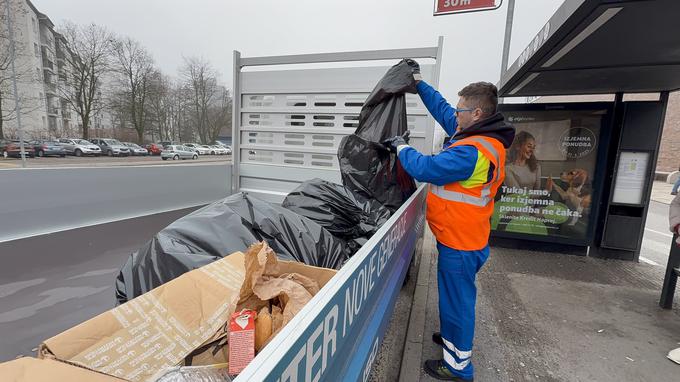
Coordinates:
<point>210,291</point>
<point>319,223</point>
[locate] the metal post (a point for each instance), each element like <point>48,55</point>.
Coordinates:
<point>17,104</point>
<point>506,40</point>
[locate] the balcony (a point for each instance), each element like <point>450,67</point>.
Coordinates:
<point>51,88</point>
<point>47,64</point>
<point>52,110</point>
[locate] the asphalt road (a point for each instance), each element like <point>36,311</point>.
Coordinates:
<point>72,161</point>
<point>657,239</point>
<point>52,282</point>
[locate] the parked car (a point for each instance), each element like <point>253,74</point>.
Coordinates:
<point>208,150</point>
<point>228,148</point>
<point>154,148</point>
<point>111,147</point>
<point>80,147</point>
<point>219,149</point>
<point>168,143</point>
<point>176,152</point>
<point>200,149</point>
<point>45,148</point>
<point>13,149</point>
<point>136,149</point>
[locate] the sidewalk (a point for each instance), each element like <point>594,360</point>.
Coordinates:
<point>661,192</point>
<point>551,317</point>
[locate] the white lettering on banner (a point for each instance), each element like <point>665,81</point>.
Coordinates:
<point>330,336</point>
<point>291,372</point>
<point>313,355</point>
<point>371,358</point>
<point>455,3</point>
<point>536,43</point>
<point>363,283</point>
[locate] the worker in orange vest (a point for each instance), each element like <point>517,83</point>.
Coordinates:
<point>464,179</point>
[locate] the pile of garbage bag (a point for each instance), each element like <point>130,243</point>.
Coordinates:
<point>221,228</point>
<point>319,223</point>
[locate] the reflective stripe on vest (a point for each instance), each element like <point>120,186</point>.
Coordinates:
<point>482,201</point>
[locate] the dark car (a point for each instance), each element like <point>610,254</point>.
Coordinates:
<point>154,148</point>
<point>45,148</point>
<point>13,149</point>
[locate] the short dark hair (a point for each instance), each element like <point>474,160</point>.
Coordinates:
<point>483,95</point>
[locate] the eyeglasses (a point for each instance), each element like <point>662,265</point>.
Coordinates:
<point>462,110</point>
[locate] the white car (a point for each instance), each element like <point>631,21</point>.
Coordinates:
<point>207,149</point>
<point>80,147</point>
<point>202,150</point>
<point>176,152</point>
<point>219,150</point>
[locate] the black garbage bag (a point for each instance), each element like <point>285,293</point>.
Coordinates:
<point>337,209</point>
<point>221,228</point>
<point>367,167</point>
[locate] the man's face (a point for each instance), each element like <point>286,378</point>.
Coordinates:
<point>465,116</point>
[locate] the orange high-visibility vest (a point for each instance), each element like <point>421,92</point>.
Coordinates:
<point>459,216</point>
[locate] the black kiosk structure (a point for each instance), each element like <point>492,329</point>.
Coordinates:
<point>613,47</point>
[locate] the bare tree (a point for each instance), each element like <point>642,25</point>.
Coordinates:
<point>24,71</point>
<point>88,55</point>
<point>134,66</point>
<point>160,105</point>
<point>219,115</point>
<point>200,80</point>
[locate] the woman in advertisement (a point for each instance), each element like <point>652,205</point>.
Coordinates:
<point>522,169</point>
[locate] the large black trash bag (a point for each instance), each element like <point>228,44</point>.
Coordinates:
<point>219,229</point>
<point>337,209</point>
<point>367,167</point>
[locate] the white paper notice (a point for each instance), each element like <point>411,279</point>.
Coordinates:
<point>631,177</point>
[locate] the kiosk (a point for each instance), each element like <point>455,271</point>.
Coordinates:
<point>603,47</point>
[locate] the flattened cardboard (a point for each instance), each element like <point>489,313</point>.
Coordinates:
<point>158,329</point>
<point>28,369</point>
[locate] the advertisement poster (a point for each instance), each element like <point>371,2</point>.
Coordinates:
<point>549,174</point>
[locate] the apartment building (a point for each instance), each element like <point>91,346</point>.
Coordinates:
<point>41,76</point>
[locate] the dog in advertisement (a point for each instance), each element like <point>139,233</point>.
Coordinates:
<point>576,195</point>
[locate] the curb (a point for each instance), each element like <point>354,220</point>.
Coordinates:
<point>413,347</point>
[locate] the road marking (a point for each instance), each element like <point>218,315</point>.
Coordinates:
<point>648,261</point>
<point>659,232</point>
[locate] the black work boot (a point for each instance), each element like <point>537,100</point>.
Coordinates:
<point>436,369</point>
<point>437,338</point>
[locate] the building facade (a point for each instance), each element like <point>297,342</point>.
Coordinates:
<point>40,61</point>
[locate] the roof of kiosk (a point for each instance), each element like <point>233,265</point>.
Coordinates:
<point>601,46</point>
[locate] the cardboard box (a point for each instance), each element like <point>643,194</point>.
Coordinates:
<point>29,369</point>
<point>158,329</point>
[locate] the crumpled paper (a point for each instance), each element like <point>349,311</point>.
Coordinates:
<point>265,285</point>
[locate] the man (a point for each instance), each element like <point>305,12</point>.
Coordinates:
<point>464,179</point>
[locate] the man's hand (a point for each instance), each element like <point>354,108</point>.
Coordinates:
<point>394,142</point>
<point>415,69</point>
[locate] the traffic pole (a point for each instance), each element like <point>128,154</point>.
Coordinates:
<point>506,40</point>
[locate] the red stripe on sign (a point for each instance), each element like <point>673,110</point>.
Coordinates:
<point>463,5</point>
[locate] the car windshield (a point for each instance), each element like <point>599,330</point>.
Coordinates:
<point>113,142</point>
<point>83,142</point>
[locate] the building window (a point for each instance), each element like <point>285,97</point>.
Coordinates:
<point>35,25</point>
<point>36,49</point>
<point>44,122</point>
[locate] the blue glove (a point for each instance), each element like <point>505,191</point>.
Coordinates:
<point>391,144</point>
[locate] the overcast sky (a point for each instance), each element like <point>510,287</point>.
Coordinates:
<point>212,29</point>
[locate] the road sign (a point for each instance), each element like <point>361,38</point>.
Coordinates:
<point>445,7</point>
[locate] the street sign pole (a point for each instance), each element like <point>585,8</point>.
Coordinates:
<point>506,40</point>
<point>17,104</point>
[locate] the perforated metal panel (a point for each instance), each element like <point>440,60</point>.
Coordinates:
<point>289,123</point>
